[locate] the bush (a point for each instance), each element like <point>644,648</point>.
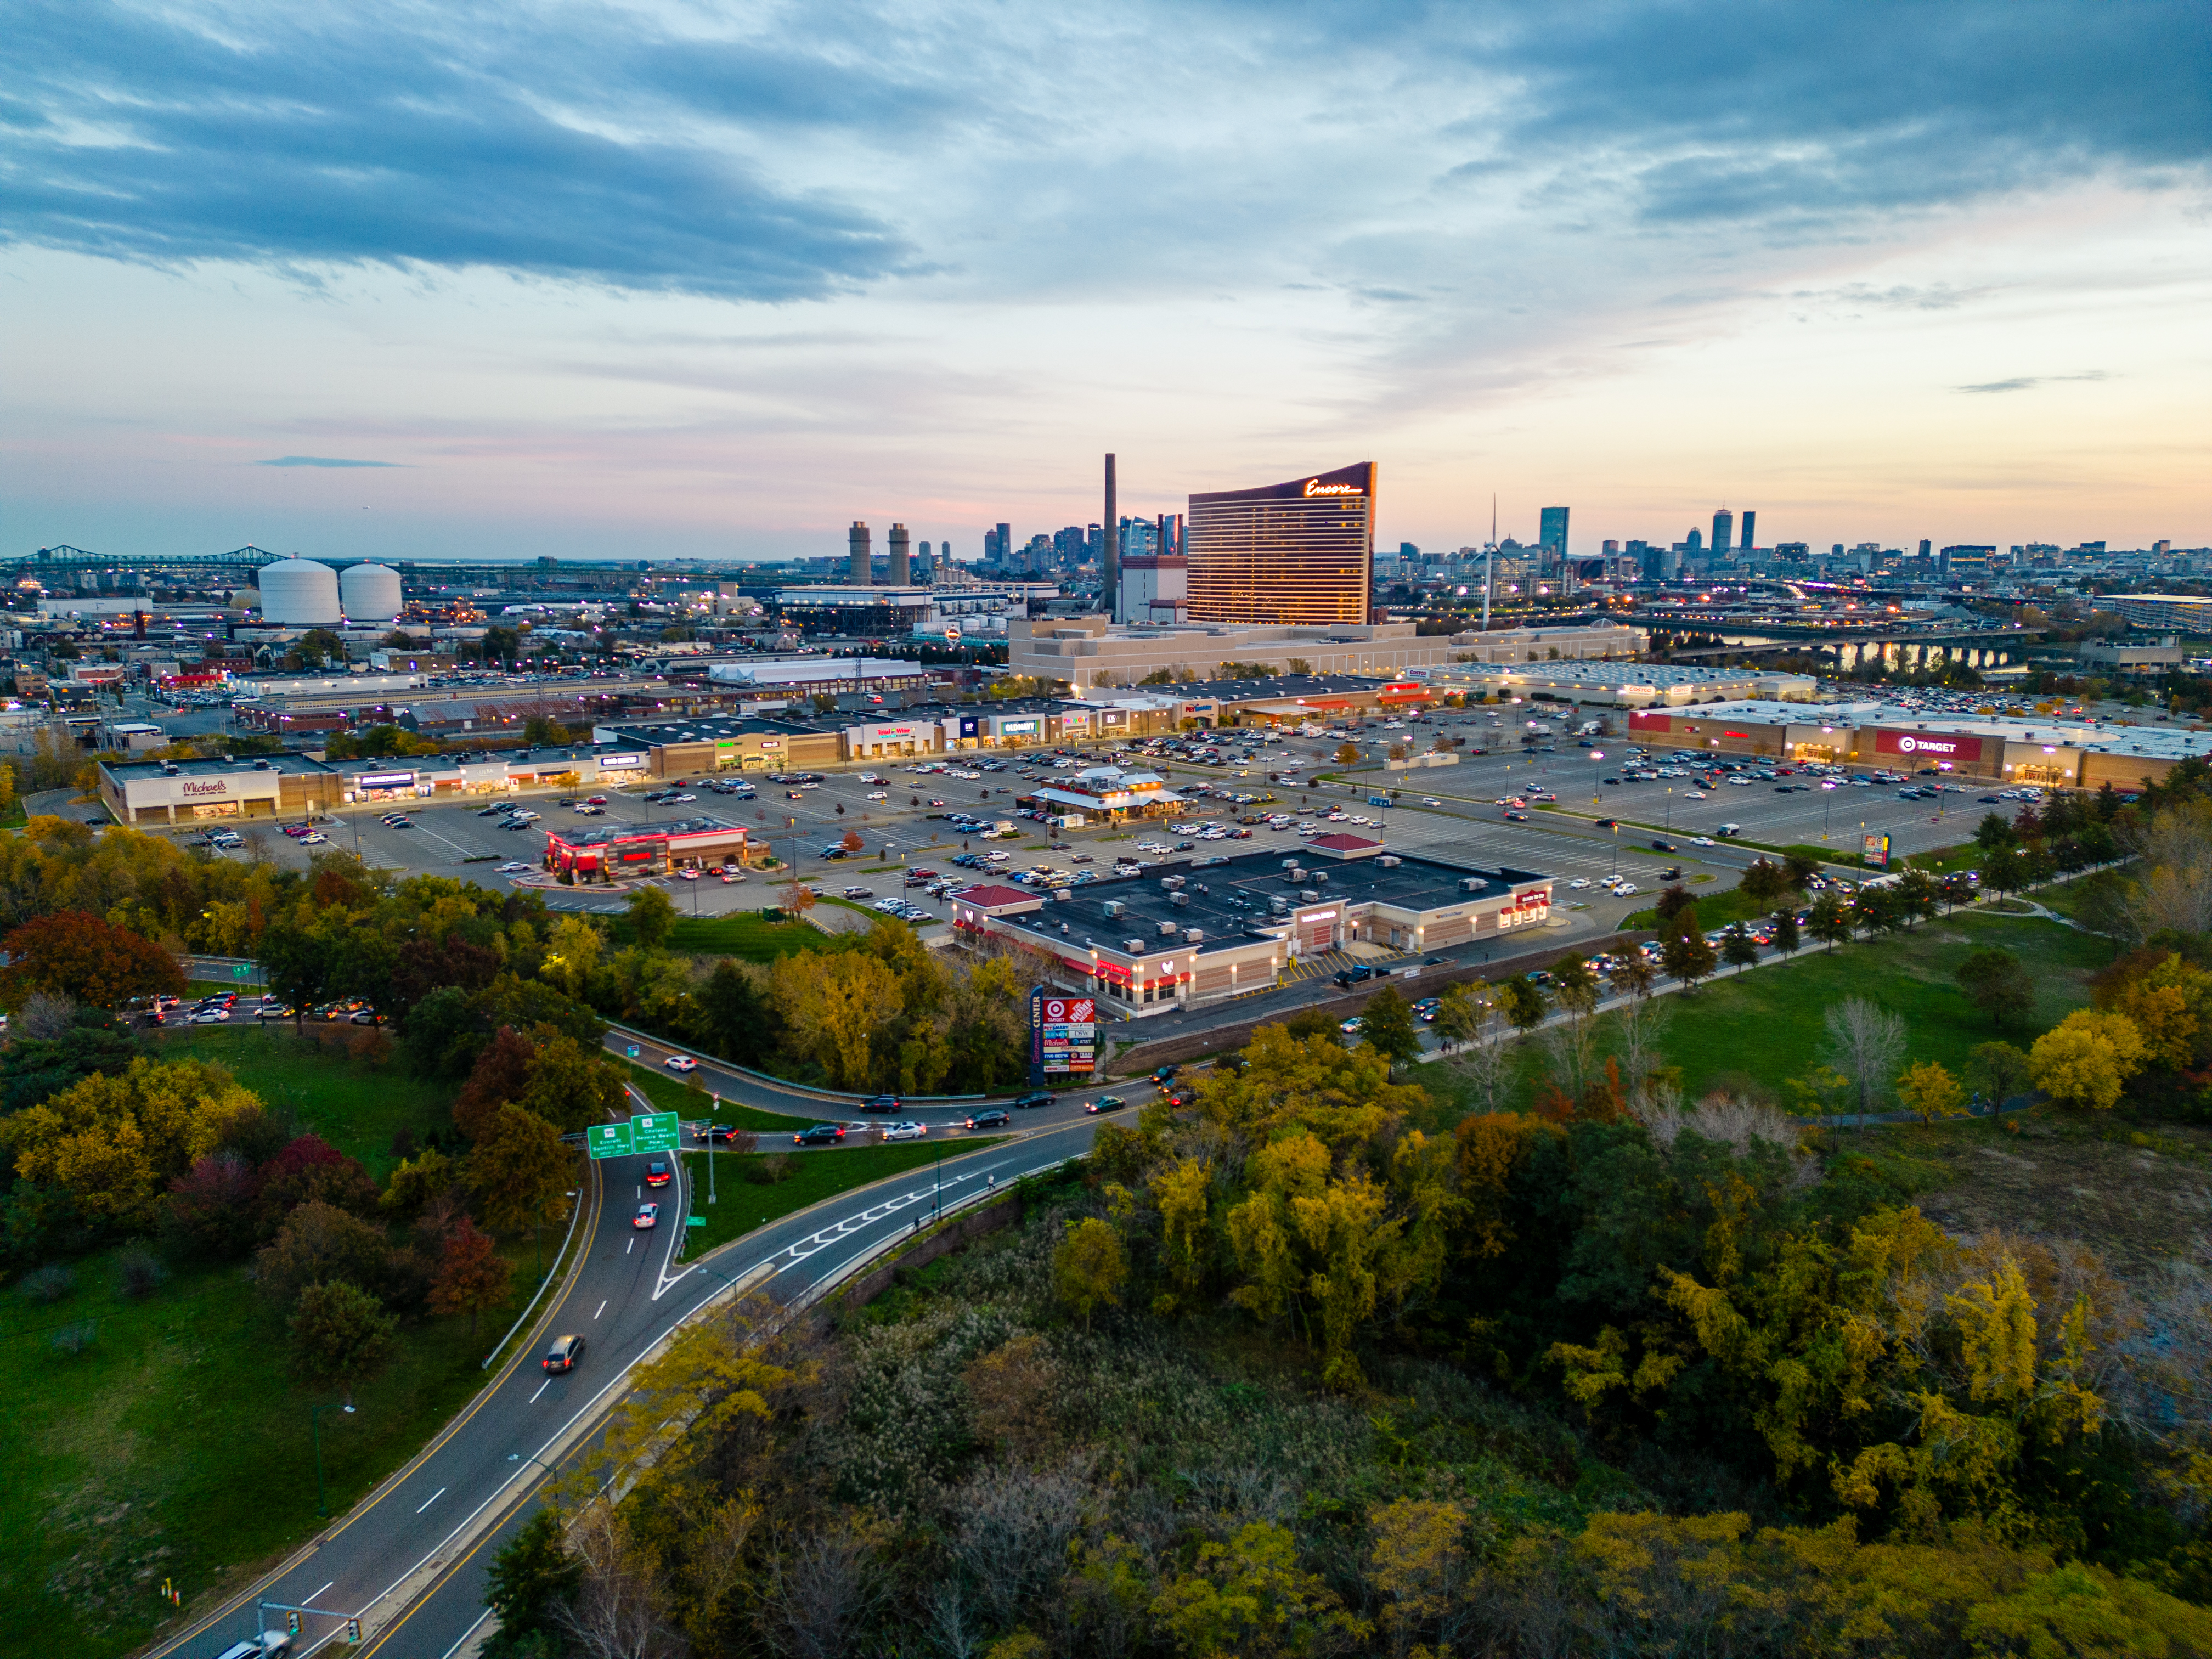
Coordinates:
<point>779,1166</point>
<point>49,1284</point>
<point>75,1339</point>
<point>138,1273</point>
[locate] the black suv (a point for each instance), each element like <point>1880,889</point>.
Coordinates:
<point>881,1103</point>
<point>1035,1097</point>
<point>993,1119</point>
<point>1355,975</point>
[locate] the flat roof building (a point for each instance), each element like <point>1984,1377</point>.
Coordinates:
<point>1185,934</point>
<point>282,786</point>
<point>1618,684</point>
<point>1297,552</point>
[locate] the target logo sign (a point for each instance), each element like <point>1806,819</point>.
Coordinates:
<point>1069,1011</point>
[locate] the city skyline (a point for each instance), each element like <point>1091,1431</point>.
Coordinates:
<point>720,284</point>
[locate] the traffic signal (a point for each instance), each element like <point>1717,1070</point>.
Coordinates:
<point>292,1623</point>
<point>353,1629</point>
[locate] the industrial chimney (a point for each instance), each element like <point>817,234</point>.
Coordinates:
<point>899,577</point>
<point>862,576</point>
<point>1110,557</point>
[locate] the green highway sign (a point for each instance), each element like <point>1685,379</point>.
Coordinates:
<point>695,1220</point>
<point>658,1132</point>
<point>610,1140</point>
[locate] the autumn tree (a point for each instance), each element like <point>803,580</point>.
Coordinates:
<point>471,1277</point>
<point>80,955</point>
<point>1930,1090</point>
<point>1089,1268</point>
<point>1387,1026</point>
<point>500,1074</point>
<point>518,1169</point>
<point>569,1085</point>
<point>652,917</point>
<point>2086,1058</point>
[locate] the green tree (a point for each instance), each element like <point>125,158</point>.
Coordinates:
<point>1765,881</point>
<point>1089,1268</point>
<point>1688,956</point>
<point>652,917</point>
<point>1524,1002</point>
<point>320,645</point>
<point>1998,984</point>
<point>340,1333</point>
<point>501,644</point>
<point>1995,830</point>
<point>1786,939</point>
<point>1387,1026</point>
<point>2003,870</point>
<point>1738,948</point>
<point>735,1018</point>
<point>1998,1070</point>
<point>1831,922</point>
<point>531,1579</point>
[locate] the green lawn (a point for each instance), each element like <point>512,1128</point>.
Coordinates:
<point>1716,909</point>
<point>1766,1025</point>
<point>175,1446</point>
<point>742,1203</point>
<point>356,1110</point>
<point>746,935</point>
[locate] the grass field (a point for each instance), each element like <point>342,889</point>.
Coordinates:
<point>176,1446</point>
<point>742,1203</point>
<point>746,935</point>
<point>356,1110</point>
<point>1762,1028</point>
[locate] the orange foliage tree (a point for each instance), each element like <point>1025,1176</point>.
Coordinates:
<point>75,954</point>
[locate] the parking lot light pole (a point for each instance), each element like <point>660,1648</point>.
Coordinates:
<point>315,1428</point>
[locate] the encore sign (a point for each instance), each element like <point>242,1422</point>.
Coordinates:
<point>1316,487</point>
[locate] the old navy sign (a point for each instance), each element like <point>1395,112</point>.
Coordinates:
<point>1916,744</point>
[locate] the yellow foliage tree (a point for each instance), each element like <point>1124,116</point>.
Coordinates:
<point>1929,1088</point>
<point>1249,1598</point>
<point>832,1004</point>
<point>2086,1059</point>
<point>114,1142</point>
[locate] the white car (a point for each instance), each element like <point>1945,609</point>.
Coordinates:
<point>1703,840</point>
<point>681,1063</point>
<point>877,794</point>
<point>1579,882</point>
<point>870,777</point>
<point>1695,794</point>
<point>1431,800</point>
<point>908,1131</point>
<point>1624,889</point>
<point>314,838</point>
<point>515,868</point>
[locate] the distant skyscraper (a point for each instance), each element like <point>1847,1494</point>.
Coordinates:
<point>1749,543</point>
<point>1695,541</point>
<point>1005,543</point>
<point>1552,532</point>
<point>1723,532</point>
<point>1110,573</point>
<point>1408,552</point>
<point>1297,552</point>
<point>898,576</point>
<point>1926,547</point>
<point>922,570</point>
<point>856,541</point>
<point>1836,551</point>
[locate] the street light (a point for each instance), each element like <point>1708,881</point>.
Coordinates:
<point>315,1427</point>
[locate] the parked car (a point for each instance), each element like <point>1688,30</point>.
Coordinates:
<point>993,1119</point>
<point>564,1353</point>
<point>822,1134</point>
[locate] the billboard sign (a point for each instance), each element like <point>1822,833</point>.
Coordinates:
<point>1874,849</point>
<point>384,781</point>
<point>1933,748</point>
<point>1063,1035</point>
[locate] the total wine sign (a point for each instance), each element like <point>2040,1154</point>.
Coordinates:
<point>1929,747</point>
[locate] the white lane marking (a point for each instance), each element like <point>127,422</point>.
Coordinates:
<point>541,1386</point>
<point>467,1635</point>
<point>633,1243</point>
<point>602,1307</point>
<point>313,1594</point>
<point>432,1498</point>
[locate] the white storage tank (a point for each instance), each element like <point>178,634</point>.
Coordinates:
<point>371,593</point>
<point>299,593</point>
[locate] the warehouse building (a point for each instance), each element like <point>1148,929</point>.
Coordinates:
<point>1991,749</point>
<point>1184,935</point>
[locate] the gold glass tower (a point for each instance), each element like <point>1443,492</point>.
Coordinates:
<point>1297,552</point>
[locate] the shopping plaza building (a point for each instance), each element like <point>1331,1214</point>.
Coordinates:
<point>2023,750</point>
<point>1301,552</point>
<point>1183,936</point>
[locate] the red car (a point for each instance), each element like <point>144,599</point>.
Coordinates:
<point>656,1173</point>
<point>595,800</point>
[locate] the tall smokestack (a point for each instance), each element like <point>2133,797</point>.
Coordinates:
<point>862,575</point>
<point>1109,559</point>
<point>898,570</point>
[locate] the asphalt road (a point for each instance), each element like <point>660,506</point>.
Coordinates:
<point>411,1558</point>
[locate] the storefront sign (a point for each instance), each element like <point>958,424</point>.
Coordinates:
<point>1014,728</point>
<point>386,780</point>
<point>1923,746</point>
<point>1063,1034</point>
<point>1874,849</point>
<point>620,762</point>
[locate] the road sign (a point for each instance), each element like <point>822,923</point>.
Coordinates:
<point>695,1220</point>
<point>657,1132</point>
<point>1378,800</point>
<point>610,1140</point>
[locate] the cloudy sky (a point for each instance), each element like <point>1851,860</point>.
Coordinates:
<point>713,279</point>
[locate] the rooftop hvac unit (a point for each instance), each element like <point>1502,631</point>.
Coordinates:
<point>1167,930</point>
<point>1171,882</point>
<point>1320,878</point>
<point>1192,935</point>
<point>1389,861</point>
<point>1471,884</point>
<point>1114,907</point>
<point>1181,901</point>
<point>1062,894</point>
<point>1290,863</point>
<point>1310,897</point>
<point>1277,903</point>
<point>1296,874</point>
<point>1133,945</point>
